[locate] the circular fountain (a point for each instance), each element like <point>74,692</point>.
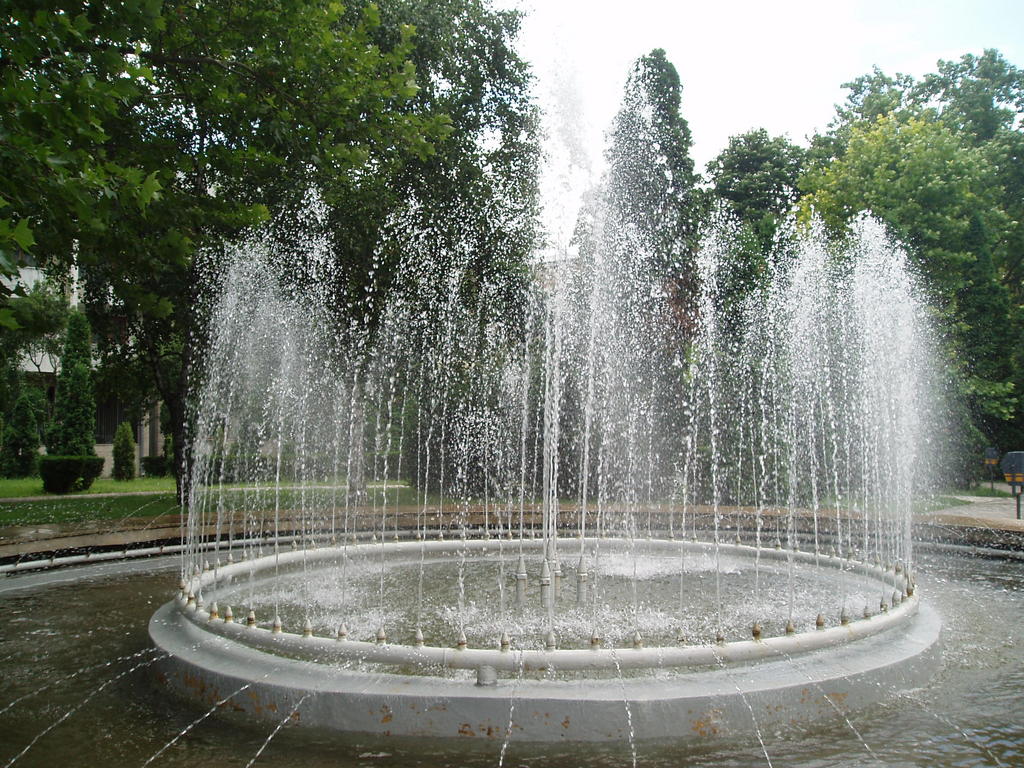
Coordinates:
<point>547,687</point>
<point>583,520</point>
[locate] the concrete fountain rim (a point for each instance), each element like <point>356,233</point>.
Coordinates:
<point>795,678</point>
<point>896,611</point>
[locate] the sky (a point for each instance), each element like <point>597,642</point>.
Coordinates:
<point>743,64</point>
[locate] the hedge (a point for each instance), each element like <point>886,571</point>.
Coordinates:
<point>62,474</point>
<point>154,466</point>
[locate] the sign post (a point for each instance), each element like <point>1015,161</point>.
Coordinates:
<point>1013,470</point>
<point>991,460</point>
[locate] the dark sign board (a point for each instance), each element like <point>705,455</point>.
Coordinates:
<point>1013,467</point>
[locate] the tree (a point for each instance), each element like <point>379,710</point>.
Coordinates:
<point>651,179</point>
<point>965,217</point>
<point>242,107</point>
<point>476,194</point>
<point>73,430</point>
<point>223,115</point>
<point>979,96</point>
<point>124,452</point>
<point>39,316</point>
<point>920,179</point>
<point>940,197</point>
<point>77,347</point>
<point>757,176</point>
<point>64,74</point>
<point>21,440</point>
<point>982,98</point>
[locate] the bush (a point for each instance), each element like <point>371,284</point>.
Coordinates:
<point>73,431</point>
<point>21,440</point>
<point>62,474</point>
<point>124,452</point>
<point>154,466</point>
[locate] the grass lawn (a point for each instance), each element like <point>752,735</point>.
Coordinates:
<point>933,503</point>
<point>983,490</point>
<point>82,507</point>
<point>77,508</point>
<point>33,486</point>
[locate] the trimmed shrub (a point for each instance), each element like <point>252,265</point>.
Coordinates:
<point>62,474</point>
<point>77,346</point>
<point>21,440</point>
<point>73,431</point>
<point>124,452</point>
<point>154,466</point>
<point>92,467</point>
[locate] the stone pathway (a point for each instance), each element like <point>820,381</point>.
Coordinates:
<point>980,511</point>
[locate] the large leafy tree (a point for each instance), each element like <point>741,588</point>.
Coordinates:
<point>918,177</point>
<point>66,70</point>
<point>982,99</point>
<point>938,160</point>
<point>207,117</point>
<point>757,175</point>
<point>150,132</point>
<point>471,203</point>
<point>978,96</point>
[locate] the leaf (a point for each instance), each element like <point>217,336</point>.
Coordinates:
<point>22,235</point>
<point>148,189</point>
<point>7,320</point>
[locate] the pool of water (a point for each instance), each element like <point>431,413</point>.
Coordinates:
<point>627,591</point>
<point>77,689</point>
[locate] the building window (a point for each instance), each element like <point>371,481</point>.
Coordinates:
<point>109,415</point>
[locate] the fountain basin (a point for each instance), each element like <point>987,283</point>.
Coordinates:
<point>667,692</point>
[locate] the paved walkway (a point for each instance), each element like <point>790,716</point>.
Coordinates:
<point>980,511</point>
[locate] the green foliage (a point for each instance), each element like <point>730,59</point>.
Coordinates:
<point>154,466</point>
<point>21,440</point>
<point>124,452</point>
<point>650,175</point>
<point>941,161</point>
<point>77,348</point>
<point>919,178</point>
<point>41,314</point>
<point>469,72</point>
<point>169,454</point>
<point>979,96</point>
<point>63,474</point>
<point>757,175</point>
<point>201,120</point>
<point>989,334</point>
<point>66,71</point>
<point>73,430</point>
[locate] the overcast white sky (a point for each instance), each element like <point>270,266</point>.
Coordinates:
<point>743,64</point>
